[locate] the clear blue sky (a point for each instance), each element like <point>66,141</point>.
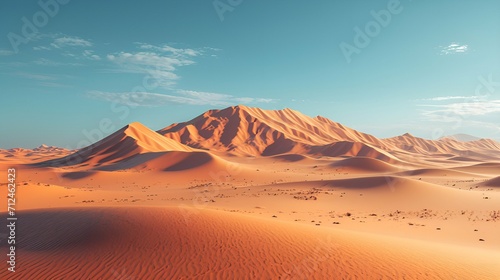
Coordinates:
<point>431,69</point>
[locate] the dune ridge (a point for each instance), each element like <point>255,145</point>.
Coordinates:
<point>495,182</point>
<point>129,141</point>
<point>249,131</point>
<point>483,148</point>
<point>365,164</point>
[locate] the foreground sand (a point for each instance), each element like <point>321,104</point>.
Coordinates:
<point>170,243</point>
<point>456,205</point>
<point>259,219</point>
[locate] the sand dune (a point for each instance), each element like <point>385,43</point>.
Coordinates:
<point>291,157</point>
<point>381,184</point>
<point>41,153</point>
<point>461,137</point>
<point>482,168</point>
<point>385,192</point>
<point>352,149</point>
<point>166,161</point>
<point>495,182</point>
<point>177,243</point>
<point>244,130</point>
<point>483,148</point>
<point>365,164</point>
<point>436,172</point>
<point>129,141</point>
<point>458,158</point>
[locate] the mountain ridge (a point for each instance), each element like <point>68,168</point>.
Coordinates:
<point>251,131</point>
<point>255,132</point>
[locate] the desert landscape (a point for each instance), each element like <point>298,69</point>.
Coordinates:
<point>233,139</point>
<point>248,193</point>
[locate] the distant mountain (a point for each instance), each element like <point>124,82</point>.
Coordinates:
<point>247,131</point>
<point>462,137</point>
<point>242,130</point>
<point>40,153</point>
<point>445,146</point>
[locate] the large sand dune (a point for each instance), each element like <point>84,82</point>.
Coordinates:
<point>244,130</point>
<point>252,131</point>
<point>130,141</point>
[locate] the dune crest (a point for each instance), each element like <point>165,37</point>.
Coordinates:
<point>495,182</point>
<point>365,164</point>
<point>129,141</point>
<point>242,130</point>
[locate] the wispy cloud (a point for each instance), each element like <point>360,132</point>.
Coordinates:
<point>221,99</point>
<point>44,80</point>
<point>160,66</point>
<point>451,113</point>
<point>6,52</point>
<point>67,41</point>
<point>59,41</point>
<point>53,85</point>
<point>187,97</point>
<point>454,48</point>
<point>41,48</point>
<point>475,108</point>
<point>160,63</point>
<point>91,55</point>
<point>447,98</point>
<point>48,62</point>
<point>38,77</point>
<point>171,50</point>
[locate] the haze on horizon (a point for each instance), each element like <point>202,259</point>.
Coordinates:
<point>380,67</point>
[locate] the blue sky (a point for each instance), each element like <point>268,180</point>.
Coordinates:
<point>431,68</point>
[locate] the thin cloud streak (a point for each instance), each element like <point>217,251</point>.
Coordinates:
<point>446,98</point>
<point>187,97</point>
<point>454,48</point>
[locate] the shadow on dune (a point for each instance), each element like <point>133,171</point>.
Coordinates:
<point>367,182</point>
<point>192,160</point>
<point>290,157</point>
<point>365,163</point>
<point>495,182</point>
<point>78,175</point>
<point>131,162</point>
<point>52,230</point>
